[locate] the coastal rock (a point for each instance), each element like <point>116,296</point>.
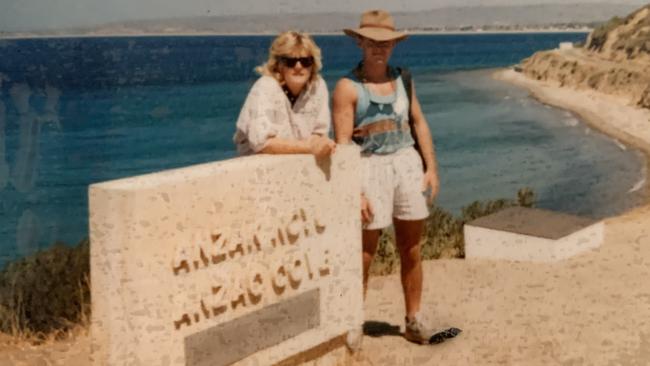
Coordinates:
<point>645,98</point>
<point>614,60</point>
<point>623,39</point>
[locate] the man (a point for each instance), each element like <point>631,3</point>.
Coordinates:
<point>371,107</point>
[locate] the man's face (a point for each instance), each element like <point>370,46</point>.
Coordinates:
<point>376,52</point>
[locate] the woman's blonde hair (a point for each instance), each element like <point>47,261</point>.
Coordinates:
<point>285,44</point>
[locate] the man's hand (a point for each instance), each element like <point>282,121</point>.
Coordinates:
<point>430,181</point>
<point>366,210</point>
<point>321,146</point>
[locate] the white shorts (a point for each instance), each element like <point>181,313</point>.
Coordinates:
<point>392,183</point>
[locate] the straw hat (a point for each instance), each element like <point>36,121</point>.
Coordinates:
<point>377,25</point>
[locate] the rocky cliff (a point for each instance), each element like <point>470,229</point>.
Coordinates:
<point>614,60</point>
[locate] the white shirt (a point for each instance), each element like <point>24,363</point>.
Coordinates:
<point>268,113</point>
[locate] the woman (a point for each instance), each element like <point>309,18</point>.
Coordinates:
<point>287,109</point>
<point>371,107</point>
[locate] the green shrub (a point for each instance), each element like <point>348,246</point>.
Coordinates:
<point>45,292</point>
<point>386,259</point>
<point>443,236</point>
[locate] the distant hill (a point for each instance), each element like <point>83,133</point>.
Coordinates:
<point>615,60</point>
<point>623,38</point>
<point>454,18</point>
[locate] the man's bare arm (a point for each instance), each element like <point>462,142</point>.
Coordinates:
<point>423,134</point>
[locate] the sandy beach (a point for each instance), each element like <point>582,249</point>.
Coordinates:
<point>609,114</point>
<point>589,310</point>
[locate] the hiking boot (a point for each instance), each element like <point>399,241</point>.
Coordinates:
<point>419,333</point>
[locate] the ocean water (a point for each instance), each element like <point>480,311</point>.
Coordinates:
<point>76,111</point>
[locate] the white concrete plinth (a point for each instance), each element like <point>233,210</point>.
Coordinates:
<point>523,234</point>
<point>249,261</point>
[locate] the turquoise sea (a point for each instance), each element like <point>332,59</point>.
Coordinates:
<point>76,111</point>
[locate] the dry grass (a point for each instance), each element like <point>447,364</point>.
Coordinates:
<point>46,295</point>
<point>20,334</point>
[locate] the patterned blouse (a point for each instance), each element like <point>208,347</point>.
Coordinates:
<point>268,113</point>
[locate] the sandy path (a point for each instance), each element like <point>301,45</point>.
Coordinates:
<point>590,310</point>
<point>70,352</point>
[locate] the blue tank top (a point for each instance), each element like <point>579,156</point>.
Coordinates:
<point>381,123</point>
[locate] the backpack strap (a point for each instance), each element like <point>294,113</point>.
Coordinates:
<point>407,80</point>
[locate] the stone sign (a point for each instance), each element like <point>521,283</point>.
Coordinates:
<point>248,261</point>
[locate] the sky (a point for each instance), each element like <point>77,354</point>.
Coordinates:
<point>28,15</point>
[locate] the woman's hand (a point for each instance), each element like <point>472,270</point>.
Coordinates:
<point>430,181</point>
<point>321,146</point>
<point>366,210</point>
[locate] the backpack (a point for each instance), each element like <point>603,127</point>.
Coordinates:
<point>407,81</point>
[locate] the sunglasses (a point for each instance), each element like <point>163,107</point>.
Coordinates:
<point>378,44</point>
<point>292,61</point>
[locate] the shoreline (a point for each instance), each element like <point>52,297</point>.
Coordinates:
<point>607,114</point>
<point>28,36</point>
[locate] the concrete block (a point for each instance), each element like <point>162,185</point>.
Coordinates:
<point>526,234</point>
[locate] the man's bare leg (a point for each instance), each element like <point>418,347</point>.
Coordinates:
<point>407,237</point>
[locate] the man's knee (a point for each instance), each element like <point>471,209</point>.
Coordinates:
<point>410,253</point>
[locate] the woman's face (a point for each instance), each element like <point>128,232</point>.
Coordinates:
<point>375,52</point>
<point>296,68</point>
